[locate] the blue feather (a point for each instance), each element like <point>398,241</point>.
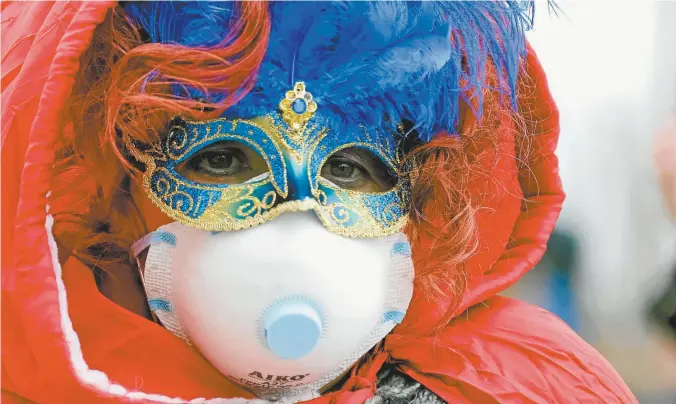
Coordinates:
<point>359,57</point>
<point>190,23</point>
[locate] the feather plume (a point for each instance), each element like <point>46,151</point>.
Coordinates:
<point>402,58</point>
<point>189,23</point>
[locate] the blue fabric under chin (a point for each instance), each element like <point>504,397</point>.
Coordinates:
<point>361,57</point>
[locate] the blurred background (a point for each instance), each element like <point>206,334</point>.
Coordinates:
<point>612,68</point>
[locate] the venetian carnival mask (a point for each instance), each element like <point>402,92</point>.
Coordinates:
<point>295,145</point>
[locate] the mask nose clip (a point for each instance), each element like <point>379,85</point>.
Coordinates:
<point>292,328</point>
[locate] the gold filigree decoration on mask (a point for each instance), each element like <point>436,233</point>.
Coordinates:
<point>297,108</point>
<point>388,216</point>
<point>299,142</point>
<point>339,213</point>
<point>255,206</point>
<point>334,215</point>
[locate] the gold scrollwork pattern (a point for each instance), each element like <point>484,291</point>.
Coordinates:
<point>348,213</point>
<point>389,216</point>
<point>255,206</point>
<point>340,213</point>
<point>177,142</point>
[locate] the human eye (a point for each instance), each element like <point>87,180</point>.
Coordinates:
<point>223,163</point>
<point>358,170</point>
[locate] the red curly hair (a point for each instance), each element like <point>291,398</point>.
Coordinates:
<point>118,90</point>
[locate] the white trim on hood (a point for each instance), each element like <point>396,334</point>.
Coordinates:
<point>96,379</point>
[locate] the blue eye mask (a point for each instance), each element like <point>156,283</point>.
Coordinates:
<point>295,144</point>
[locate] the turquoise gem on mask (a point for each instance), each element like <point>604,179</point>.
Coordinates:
<point>299,106</point>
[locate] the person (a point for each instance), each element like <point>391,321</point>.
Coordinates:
<point>293,201</point>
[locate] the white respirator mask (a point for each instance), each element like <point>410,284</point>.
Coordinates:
<point>282,308</point>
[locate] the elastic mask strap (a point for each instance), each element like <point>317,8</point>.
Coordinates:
<point>142,244</point>
<point>153,238</point>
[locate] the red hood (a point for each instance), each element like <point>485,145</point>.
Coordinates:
<point>63,342</point>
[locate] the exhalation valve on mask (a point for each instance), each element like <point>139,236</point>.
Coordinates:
<point>282,308</point>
